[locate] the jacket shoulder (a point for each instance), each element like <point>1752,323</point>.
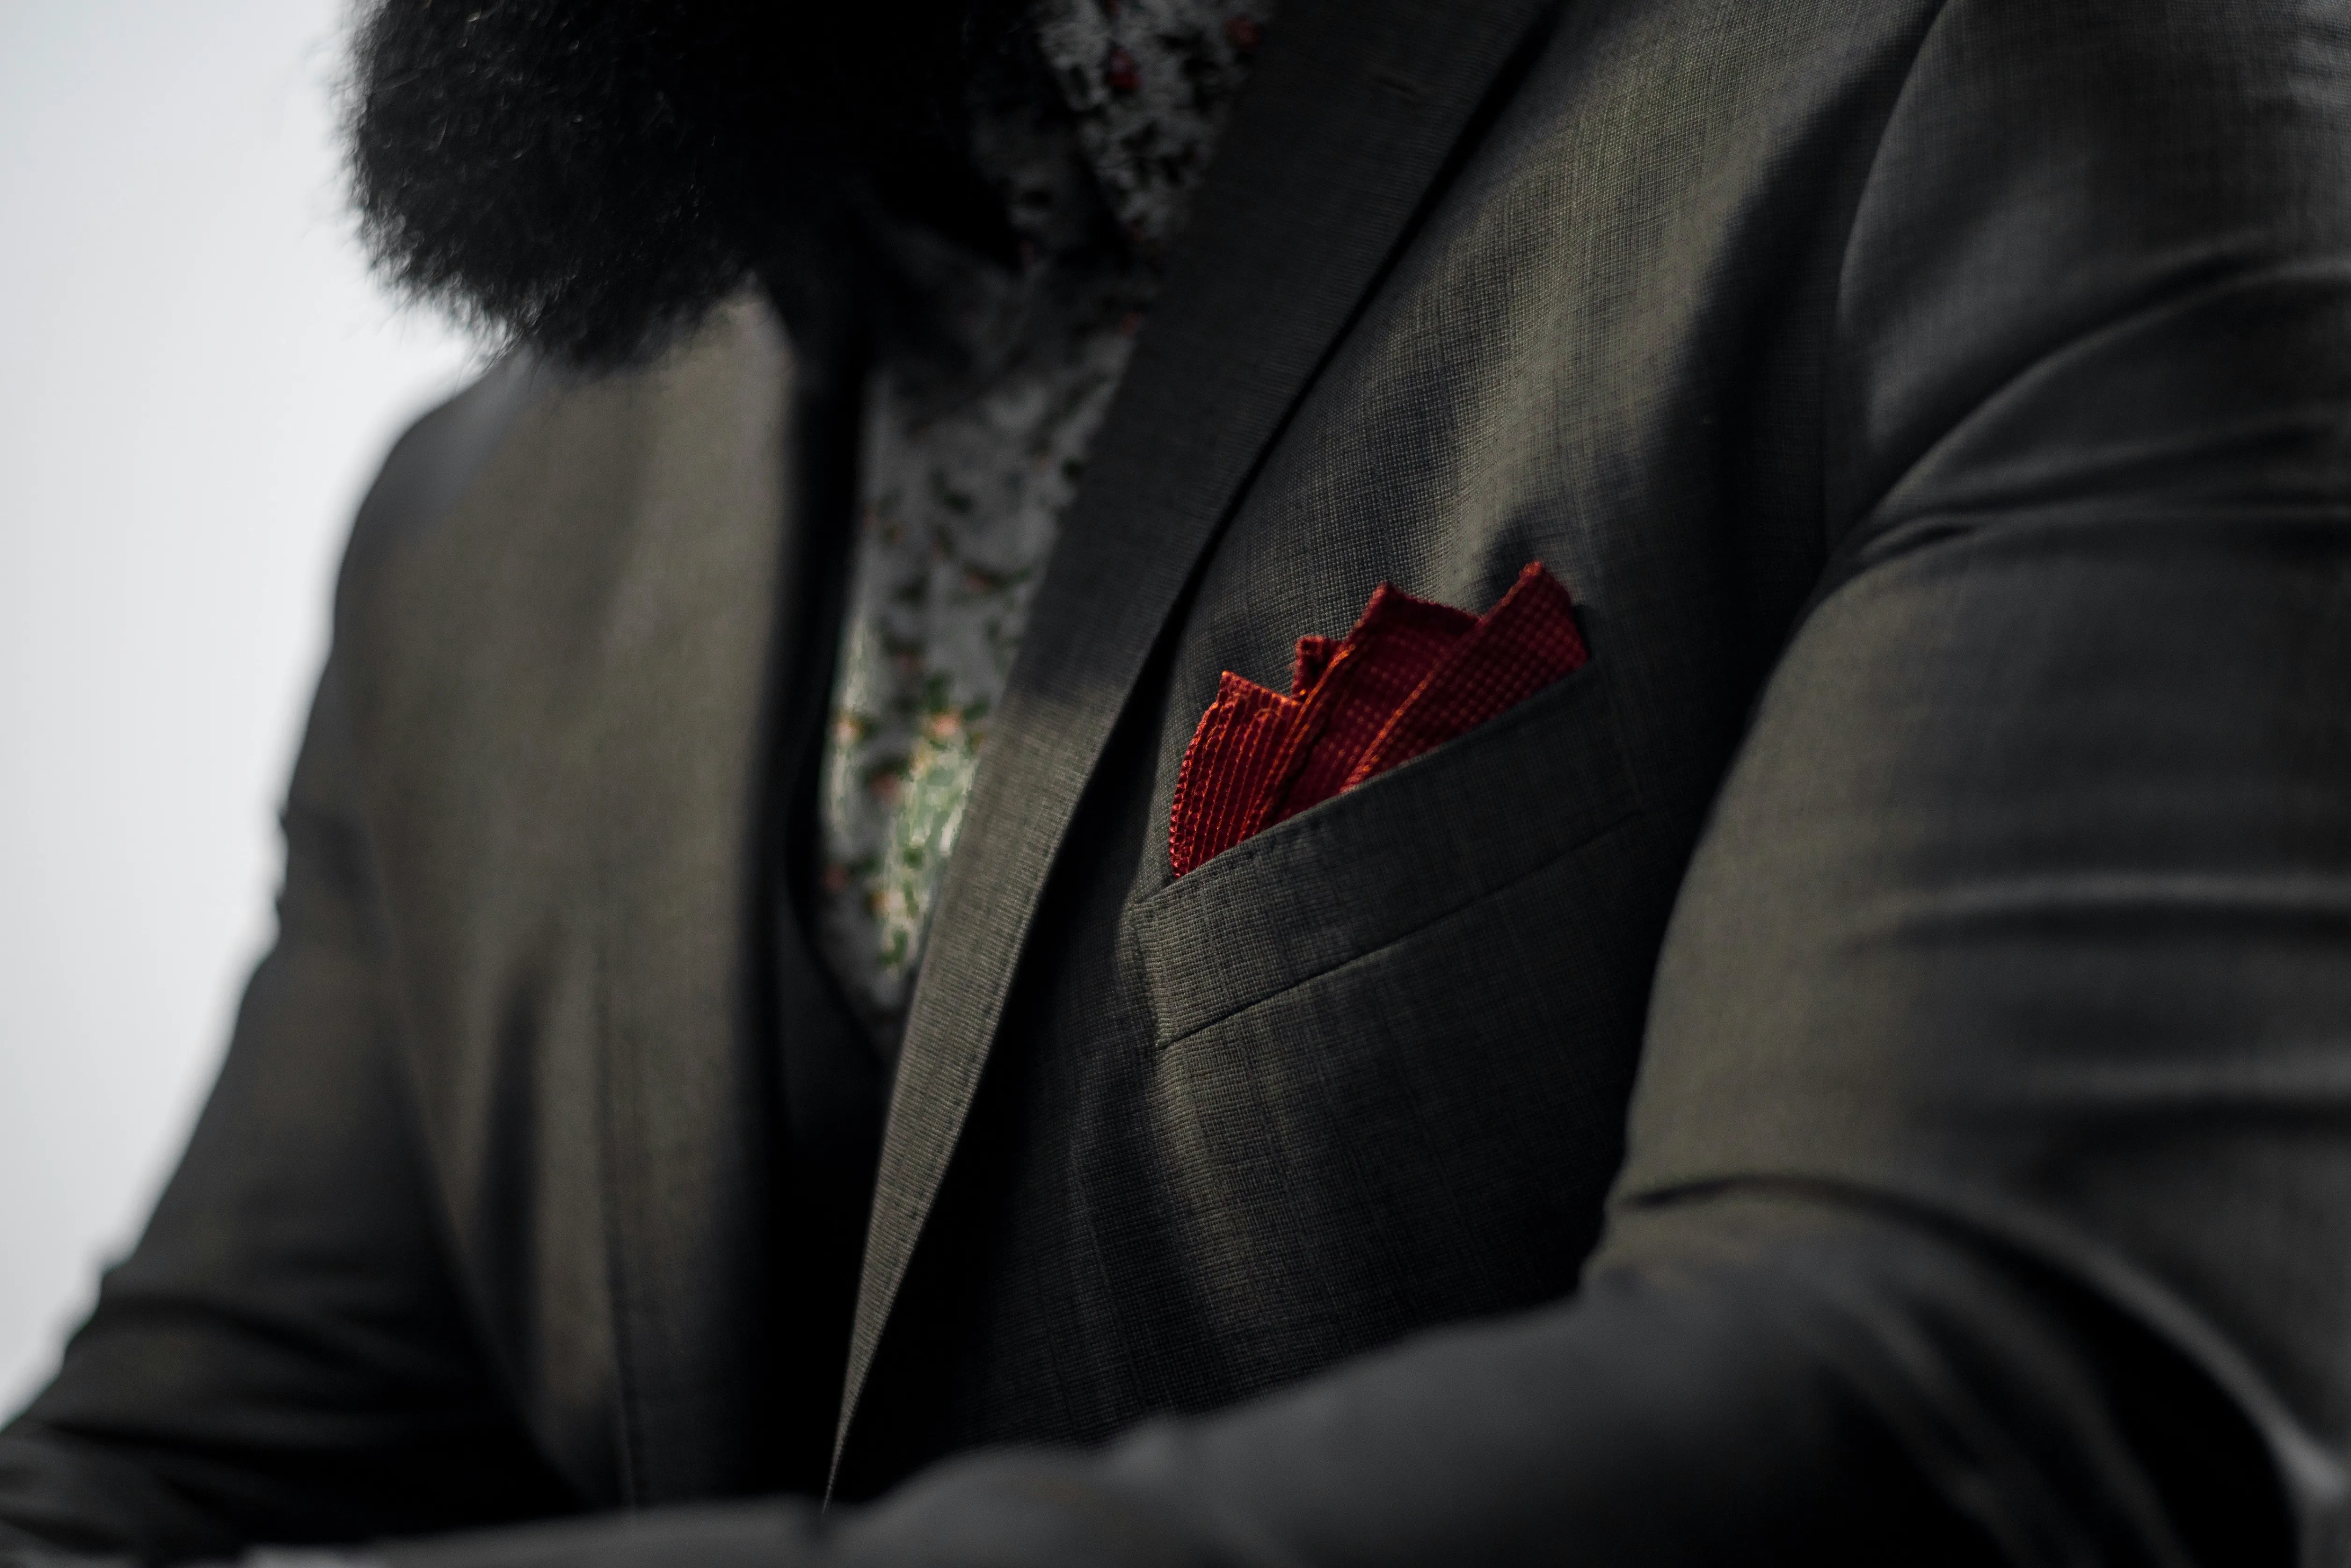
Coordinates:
<point>531,431</point>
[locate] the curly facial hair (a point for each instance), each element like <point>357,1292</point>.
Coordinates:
<point>584,178</point>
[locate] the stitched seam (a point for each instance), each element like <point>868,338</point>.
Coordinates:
<point>1630,811</point>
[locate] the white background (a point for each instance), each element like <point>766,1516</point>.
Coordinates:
<point>196,381</point>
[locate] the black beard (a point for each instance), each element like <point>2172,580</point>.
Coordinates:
<point>586,178</point>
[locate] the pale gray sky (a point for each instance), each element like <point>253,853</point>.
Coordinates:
<point>199,381</point>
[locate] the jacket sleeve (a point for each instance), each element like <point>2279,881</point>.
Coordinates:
<point>285,1357</point>
<point>2022,915</point>
<point>1991,1160</point>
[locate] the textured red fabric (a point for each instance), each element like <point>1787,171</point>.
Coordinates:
<point>1520,646</point>
<point>1410,675</point>
<point>1393,648</point>
<point>1228,768</point>
<point>1313,658</point>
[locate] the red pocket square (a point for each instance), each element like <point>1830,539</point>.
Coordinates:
<point>1410,677</point>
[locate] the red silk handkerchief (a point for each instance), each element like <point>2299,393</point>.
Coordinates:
<point>1410,677</point>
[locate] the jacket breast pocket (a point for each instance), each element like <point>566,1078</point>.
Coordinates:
<point>1369,867</point>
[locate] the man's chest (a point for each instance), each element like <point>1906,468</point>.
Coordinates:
<point>1367,1069</point>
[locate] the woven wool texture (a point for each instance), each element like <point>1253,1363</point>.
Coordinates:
<point>1411,675</point>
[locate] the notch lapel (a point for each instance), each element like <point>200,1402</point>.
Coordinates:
<point>1332,149</point>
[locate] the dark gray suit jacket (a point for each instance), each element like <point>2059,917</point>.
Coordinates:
<point>1872,1053</point>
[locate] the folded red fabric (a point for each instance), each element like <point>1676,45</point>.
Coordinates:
<point>1412,674</point>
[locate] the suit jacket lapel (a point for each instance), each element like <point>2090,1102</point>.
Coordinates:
<point>692,635</point>
<point>1353,110</point>
<point>567,739</point>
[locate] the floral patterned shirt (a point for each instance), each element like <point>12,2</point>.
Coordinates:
<point>970,460</point>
